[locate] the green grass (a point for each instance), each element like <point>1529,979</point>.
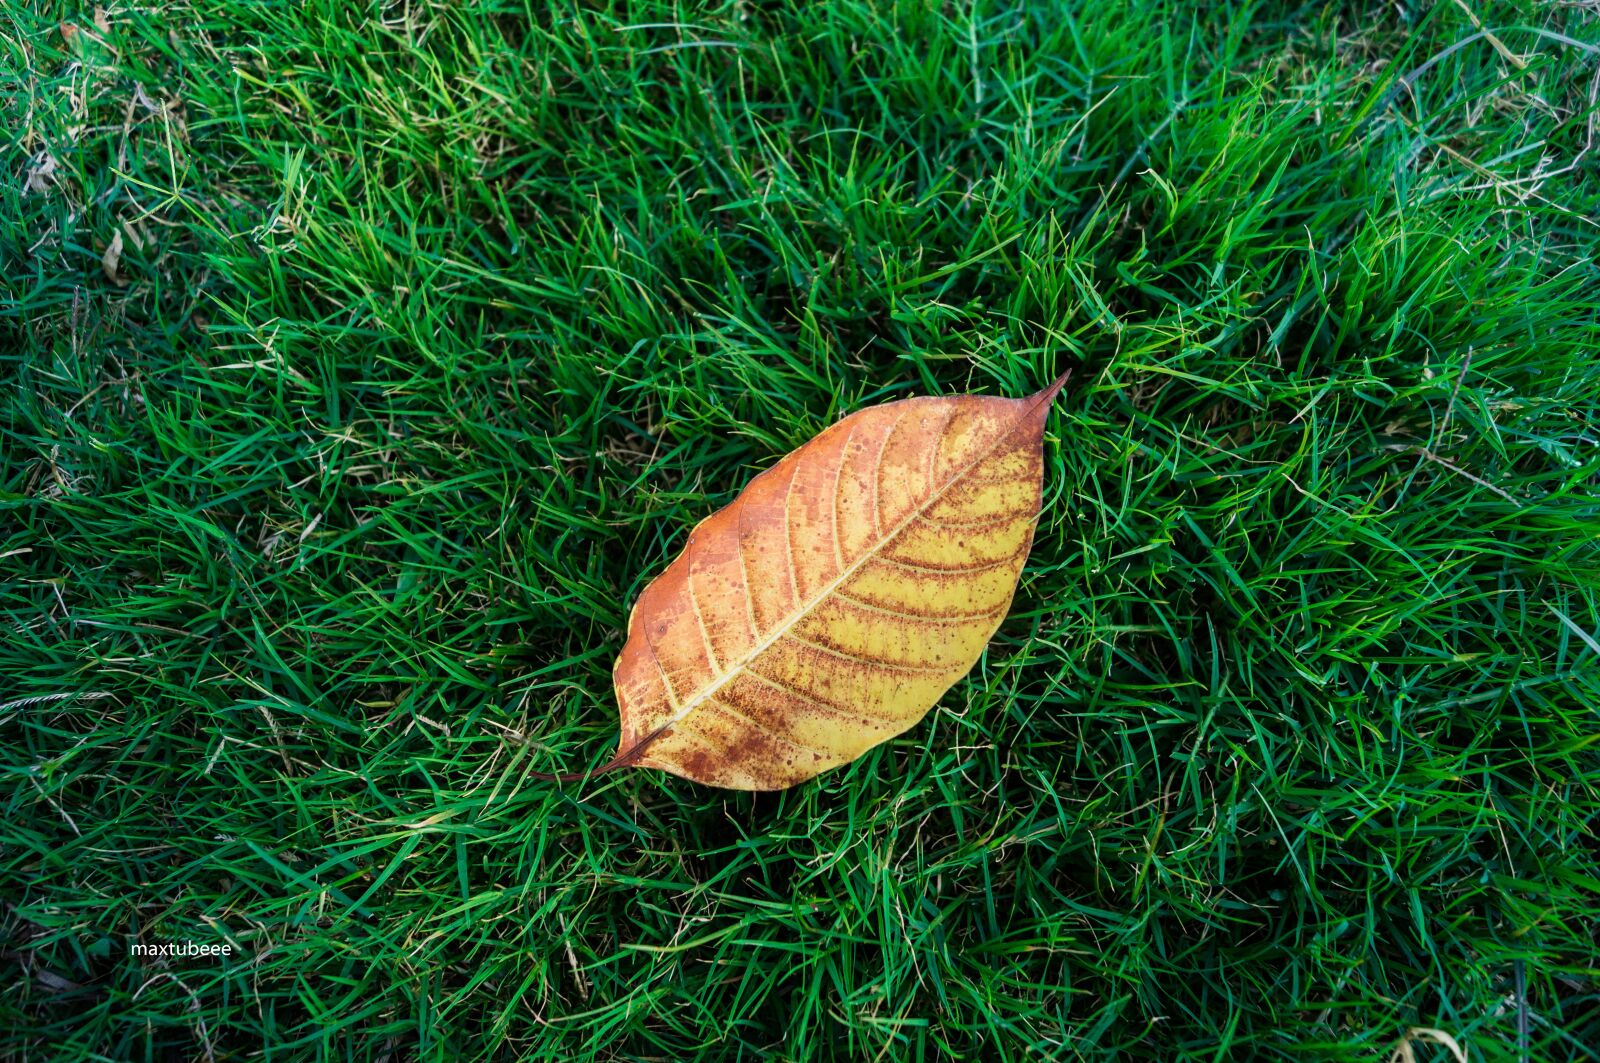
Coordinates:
<point>436,327</point>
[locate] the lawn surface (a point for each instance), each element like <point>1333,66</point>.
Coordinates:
<point>362,362</point>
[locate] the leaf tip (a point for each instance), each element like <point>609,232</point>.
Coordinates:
<point>1048,395</point>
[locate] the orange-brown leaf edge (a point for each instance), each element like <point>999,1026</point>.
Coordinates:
<point>860,608</point>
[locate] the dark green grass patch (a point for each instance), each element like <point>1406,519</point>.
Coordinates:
<point>362,362</point>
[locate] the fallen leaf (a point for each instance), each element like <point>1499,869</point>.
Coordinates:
<point>831,605</point>
<point>53,981</point>
<point>111,258</point>
<point>41,173</point>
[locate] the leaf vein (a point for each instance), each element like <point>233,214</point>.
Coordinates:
<point>744,572</point>
<point>838,474</point>
<point>877,475</point>
<point>811,698</point>
<point>986,566</point>
<point>921,618</point>
<point>694,606</point>
<point>857,658</point>
<point>1005,518</point>
<point>763,728</point>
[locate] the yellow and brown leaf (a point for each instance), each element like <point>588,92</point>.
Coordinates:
<point>835,600</point>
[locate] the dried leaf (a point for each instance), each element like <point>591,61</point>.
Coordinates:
<point>52,981</point>
<point>111,258</point>
<point>830,606</point>
<point>41,173</point>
